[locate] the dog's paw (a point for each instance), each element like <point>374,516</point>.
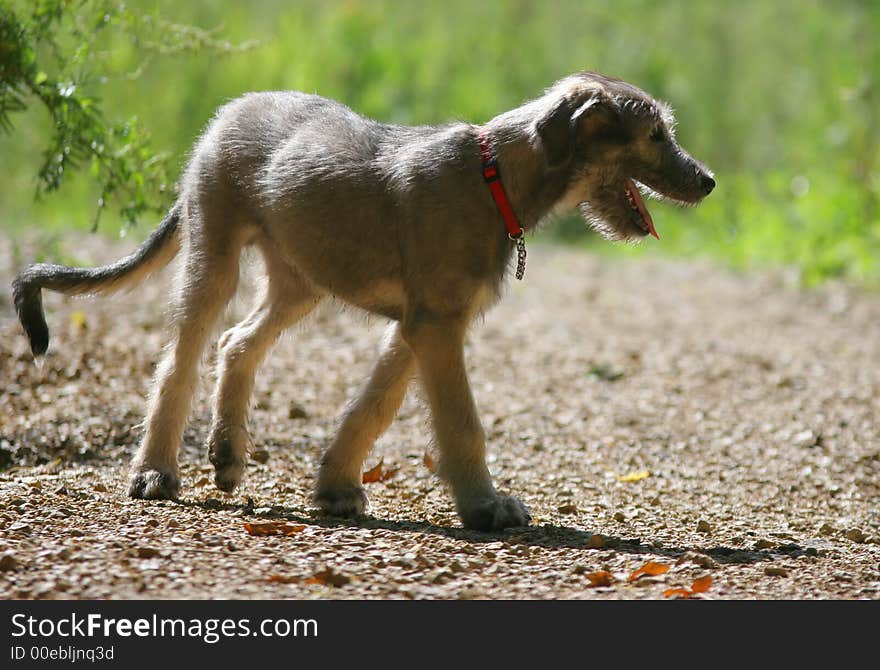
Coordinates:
<point>149,484</point>
<point>349,501</point>
<point>228,475</point>
<point>229,460</point>
<point>494,513</point>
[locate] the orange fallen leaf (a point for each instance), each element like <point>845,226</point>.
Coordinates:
<point>702,584</point>
<point>272,528</point>
<point>600,578</point>
<point>428,460</point>
<point>650,568</point>
<point>373,474</point>
<point>330,577</point>
<point>634,476</point>
<point>379,473</point>
<point>283,579</point>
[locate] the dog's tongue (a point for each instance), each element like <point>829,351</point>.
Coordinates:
<point>637,198</point>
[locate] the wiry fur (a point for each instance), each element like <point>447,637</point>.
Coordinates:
<point>395,220</point>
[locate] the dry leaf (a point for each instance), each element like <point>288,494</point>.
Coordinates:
<point>273,528</point>
<point>283,579</point>
<point>329,577</point>
<point>78,319</point>
<point>373,474</point>
<point>379,473</point>
<point>702,584</point>
<point>570,508</point>
<point>650,568</point>
<point>600,578</point>
<point>428,460</point>
<point>634,476</point>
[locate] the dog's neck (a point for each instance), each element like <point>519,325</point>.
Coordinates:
<point>534,190</point>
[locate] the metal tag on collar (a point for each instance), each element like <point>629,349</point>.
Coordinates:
<point>520,241</point>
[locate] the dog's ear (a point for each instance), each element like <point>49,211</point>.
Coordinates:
<point>570,120</point>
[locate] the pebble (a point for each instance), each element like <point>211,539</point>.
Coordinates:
<point>775,571</point>
<point>297,411</point>
<point>805,439</point>
<point>827,529</point>
<point>619,516</point>
<point>8,563</point>
<point>648,581</point>
<point>697,559</point>
<point>440,577</point>
<point>455,566</point>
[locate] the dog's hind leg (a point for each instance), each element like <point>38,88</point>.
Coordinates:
<point>338,490</point>
<point>437,343</point>
<point>287,298</point>
<point>206,281</point>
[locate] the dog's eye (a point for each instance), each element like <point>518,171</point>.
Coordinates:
<point>658,135</point>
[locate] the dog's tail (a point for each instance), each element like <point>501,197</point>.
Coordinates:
<point>154,254</point>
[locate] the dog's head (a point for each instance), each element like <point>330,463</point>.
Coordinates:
<point>609,140</point>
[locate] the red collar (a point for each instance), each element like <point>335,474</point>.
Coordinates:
<point>493,181</point>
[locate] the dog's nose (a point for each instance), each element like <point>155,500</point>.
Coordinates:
<point>707,183</point>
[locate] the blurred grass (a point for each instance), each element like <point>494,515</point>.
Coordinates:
<point>781,99</point>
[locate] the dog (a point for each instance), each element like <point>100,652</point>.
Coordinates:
<point>416,224</point>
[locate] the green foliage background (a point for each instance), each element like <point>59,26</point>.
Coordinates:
<point>781,98</point>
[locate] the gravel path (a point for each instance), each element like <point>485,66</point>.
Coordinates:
<point>721,425</point>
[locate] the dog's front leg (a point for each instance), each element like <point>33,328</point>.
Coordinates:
<point>438,347</point>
